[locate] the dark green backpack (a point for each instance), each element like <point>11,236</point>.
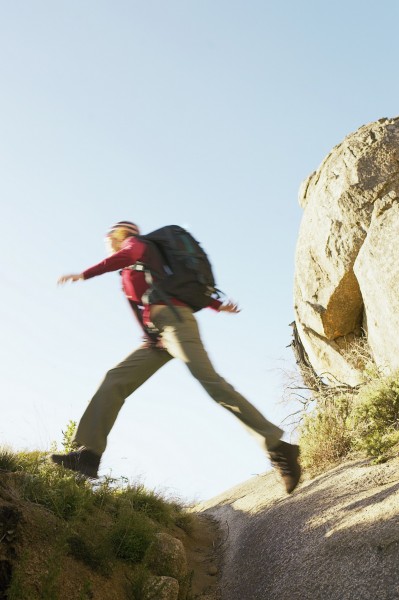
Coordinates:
<point>177,267</point>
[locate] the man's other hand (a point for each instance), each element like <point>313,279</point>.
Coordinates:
<point>230,306</point>
<point>64,278</point>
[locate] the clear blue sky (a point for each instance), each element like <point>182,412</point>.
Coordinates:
<point>205,113</point>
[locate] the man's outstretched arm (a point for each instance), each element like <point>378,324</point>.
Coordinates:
<point>128,255</point>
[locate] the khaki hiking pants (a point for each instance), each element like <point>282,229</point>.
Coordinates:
<point>181,339</point>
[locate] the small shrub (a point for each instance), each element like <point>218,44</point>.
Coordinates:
<point>8,460</point>
<point>365,421</point>
<point>375,417</point>
<point>324,435</point>
<point>68,442</point>
<point>131,535</point>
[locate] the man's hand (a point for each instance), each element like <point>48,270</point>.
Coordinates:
<point>72,278</point>
<point>230,306</point>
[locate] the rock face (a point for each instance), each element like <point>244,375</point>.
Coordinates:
<point>346,270</point>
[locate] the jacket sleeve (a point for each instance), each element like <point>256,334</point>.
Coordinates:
<point>124,258</point>
<point>215,304</point>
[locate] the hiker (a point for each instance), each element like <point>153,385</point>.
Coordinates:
<point>171,331</point>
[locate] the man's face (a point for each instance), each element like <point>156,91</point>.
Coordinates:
<point>114,240</point>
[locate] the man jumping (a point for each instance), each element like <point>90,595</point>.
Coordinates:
<point>178,337</point>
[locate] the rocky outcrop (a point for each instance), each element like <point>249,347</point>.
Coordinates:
<point>346,271</point>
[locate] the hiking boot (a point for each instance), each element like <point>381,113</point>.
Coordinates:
<point>284,458</point>
<point>83,461</point>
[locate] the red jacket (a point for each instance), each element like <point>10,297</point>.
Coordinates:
<point>133,282</point>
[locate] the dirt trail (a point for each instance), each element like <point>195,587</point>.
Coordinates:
<point>335,538</point>
<point>203,551</point>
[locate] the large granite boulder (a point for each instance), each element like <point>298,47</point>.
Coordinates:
<point>346,271</point>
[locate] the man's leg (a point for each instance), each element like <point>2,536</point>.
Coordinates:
<point>100,415</point>
<point>121,381</point>
<point>182,340</point>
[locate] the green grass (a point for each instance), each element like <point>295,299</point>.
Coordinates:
<point>59,490</point>
<point>131,535</point>
<point>8,459</point>
<point>46,585</point>
<point>153,505</point>
<point>90,544</point>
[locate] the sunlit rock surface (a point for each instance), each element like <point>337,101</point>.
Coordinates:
<point>346,266</point>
